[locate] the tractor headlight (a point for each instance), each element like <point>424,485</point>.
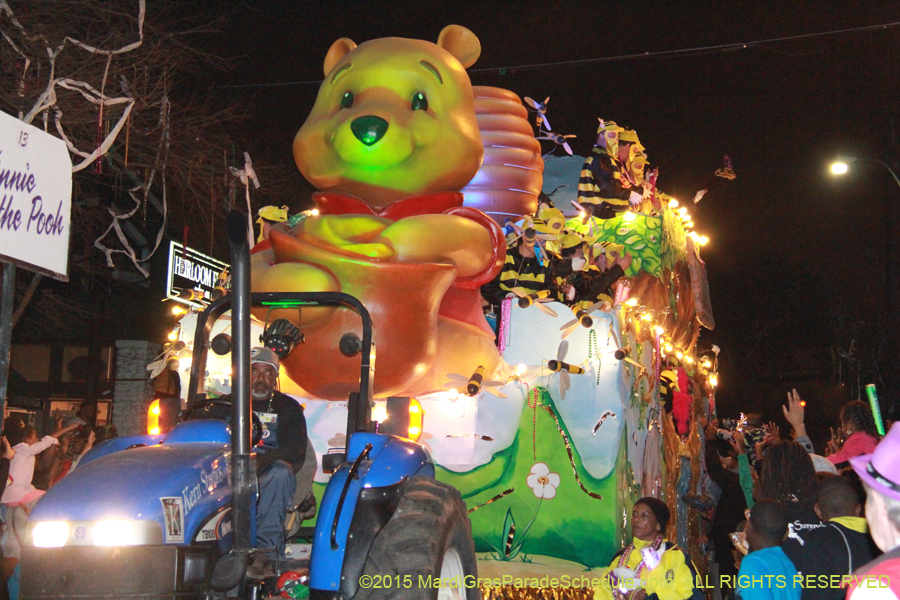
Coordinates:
<point>113,533</point>
<point>50,534</point>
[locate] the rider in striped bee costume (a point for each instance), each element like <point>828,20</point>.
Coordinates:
<point>612,178</point>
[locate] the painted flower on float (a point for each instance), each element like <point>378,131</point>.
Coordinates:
<point>542,482</point>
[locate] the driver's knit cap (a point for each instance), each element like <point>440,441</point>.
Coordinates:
<point>264,355</point>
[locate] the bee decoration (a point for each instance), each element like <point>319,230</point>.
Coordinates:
<point>541,110</point>
<point>582,317</point>
<point>475,383</point>
<point>558,139</point>
<point>538,299</point>
<point>563,368</point>
<point>624,352</point>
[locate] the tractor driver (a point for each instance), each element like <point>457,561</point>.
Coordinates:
<point>281,451</point>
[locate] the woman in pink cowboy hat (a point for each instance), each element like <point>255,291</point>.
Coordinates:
<point>880,473</point>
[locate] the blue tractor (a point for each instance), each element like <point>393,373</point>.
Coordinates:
<point>173,515</point>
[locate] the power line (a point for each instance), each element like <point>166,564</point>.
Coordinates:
<point>684,52</point>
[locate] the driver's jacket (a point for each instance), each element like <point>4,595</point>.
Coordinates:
<point>284,431</point>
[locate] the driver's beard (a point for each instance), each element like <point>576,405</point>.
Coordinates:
<point>260,395</point>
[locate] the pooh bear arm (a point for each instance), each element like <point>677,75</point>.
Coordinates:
<point>353,234</point>
<point>440,238</point>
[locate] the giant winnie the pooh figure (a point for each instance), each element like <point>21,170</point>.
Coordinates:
<point>390,141</point>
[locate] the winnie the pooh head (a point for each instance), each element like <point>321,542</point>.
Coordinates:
<point>394,118</point>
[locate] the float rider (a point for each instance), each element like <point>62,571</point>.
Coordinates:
<point>612,178</point>
<point>279,455</point>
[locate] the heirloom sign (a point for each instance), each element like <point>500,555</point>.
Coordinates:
<point>35,198</point>
<point>191,270</point>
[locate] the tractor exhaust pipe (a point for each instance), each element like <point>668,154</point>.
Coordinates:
<point>231,568</point>
<point>240,390</point>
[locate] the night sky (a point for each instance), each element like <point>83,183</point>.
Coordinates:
<point>798,260</point>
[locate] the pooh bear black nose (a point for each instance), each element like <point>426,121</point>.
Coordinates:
<point>369,129</point>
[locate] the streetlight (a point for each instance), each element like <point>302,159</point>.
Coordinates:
<point>842,165</point>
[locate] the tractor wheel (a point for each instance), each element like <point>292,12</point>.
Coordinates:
<point>428,540</point>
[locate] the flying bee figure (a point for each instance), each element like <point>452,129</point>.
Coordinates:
<point>558,139</point>
<point>537,299</point>
<point>582,317</point>
<point>174,351</point>
<point>624,352</point>
<point>541,109</point>
<point>475,383</point>
<point>563,368</point>
<point>223,282</point>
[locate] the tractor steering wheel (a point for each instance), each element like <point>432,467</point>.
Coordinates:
<point>220,410</point>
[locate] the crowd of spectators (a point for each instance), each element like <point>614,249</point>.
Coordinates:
<point>29,466</point>
<point>780,521</point>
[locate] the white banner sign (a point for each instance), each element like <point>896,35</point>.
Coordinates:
<point>35,198</point>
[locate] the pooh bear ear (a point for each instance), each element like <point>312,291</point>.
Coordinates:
<point>461,43</point>
<point>338,50</point>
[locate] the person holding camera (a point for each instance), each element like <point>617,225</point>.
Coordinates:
<point>730,508</point>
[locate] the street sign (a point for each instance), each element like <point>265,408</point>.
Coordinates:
<point>35,198</point>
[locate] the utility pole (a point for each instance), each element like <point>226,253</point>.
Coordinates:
<point>7,298</point>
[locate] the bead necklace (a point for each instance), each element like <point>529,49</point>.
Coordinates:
<point>623,560</point>
<point>594,351</point>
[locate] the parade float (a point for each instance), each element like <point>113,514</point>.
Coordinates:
<point>549,440</point>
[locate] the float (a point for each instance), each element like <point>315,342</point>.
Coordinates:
<point>550,426</point>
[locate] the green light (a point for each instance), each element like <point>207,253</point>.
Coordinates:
<point>290,303</point>
<point>876,409</point>
<point>369,129</point>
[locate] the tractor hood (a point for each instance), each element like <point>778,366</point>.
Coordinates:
<point>178,485</point>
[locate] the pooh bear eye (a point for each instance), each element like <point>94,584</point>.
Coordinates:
<point>347,100</point>
<point>419,101</point>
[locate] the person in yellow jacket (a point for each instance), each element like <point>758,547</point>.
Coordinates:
<point>650,568</point>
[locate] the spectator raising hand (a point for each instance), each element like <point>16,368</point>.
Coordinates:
<point>8,454</point>
<point>8,451</point>
<point>773,433</point>
<point>793,412</point>
<point>835,443</point>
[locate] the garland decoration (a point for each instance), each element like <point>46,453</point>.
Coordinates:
<point>494,499</point>
<point>533,404</point>
<point>569,451</point>
<point>503,328</point>
<point>594,350</point>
